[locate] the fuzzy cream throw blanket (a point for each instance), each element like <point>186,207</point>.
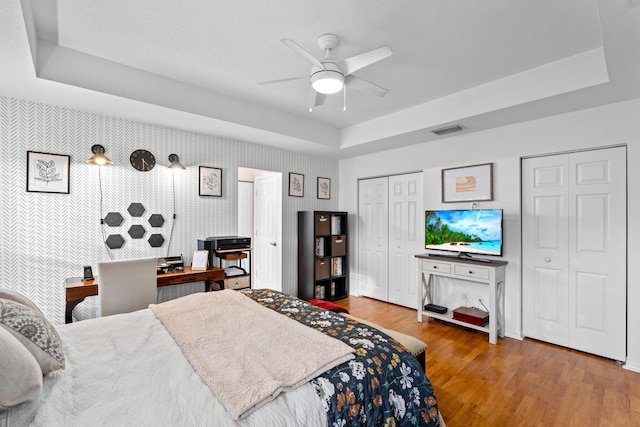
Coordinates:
<point>246,353</point>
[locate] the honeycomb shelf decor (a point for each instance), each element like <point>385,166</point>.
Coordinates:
<point>156,220</point>
<point>113,219</point>
<point>136,209</point>
<point>114,241</point>
<point>137,231</point>
<point>156,240</point>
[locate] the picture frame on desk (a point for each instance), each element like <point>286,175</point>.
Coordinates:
<point>200,260</point>
<point>47,172</point>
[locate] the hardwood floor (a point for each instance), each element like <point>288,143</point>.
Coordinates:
<point>513,383</point>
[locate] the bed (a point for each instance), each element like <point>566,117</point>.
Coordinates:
<point>135,369</point>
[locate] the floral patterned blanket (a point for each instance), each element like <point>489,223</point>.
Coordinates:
<point>383,386</point>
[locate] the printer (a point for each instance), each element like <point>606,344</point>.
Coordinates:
<point>223,243</point>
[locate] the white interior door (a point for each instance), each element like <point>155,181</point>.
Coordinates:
<point>574,250</point>
<point>267,253</point>
<point>373,238</point>
<point>406,237</point>
<point>245,209</point>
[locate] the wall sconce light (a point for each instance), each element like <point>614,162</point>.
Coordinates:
<point>98,157</point>
<point>175,162</point>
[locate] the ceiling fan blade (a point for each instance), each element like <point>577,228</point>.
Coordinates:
<point>303,52</point>
<point>283,80</point>
<point>320,97</point>
<point>353,82</point>
<point>354,63</point>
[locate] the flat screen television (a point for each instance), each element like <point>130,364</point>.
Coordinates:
<point>468,232</point>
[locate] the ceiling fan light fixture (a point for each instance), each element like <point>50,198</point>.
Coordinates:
<point>327,82</point>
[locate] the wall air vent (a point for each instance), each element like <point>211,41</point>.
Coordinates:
<point>447,129</point>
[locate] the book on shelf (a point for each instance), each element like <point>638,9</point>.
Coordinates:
<point>333,289</point>
<point>318,292</point>
<point>336,224</point>
<point>320,246</point>
<point>336,266</point>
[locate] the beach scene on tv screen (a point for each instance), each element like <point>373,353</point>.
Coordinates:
<point>472,231</point>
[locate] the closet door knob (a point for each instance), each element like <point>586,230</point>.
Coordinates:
<point>547,259</point>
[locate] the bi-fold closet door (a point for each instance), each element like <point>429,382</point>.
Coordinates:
<point>575,249</point>
<point>391,232</point>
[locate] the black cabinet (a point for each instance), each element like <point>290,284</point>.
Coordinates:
<point>323,255</point>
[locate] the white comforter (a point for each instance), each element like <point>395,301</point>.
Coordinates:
<point>126,370</point>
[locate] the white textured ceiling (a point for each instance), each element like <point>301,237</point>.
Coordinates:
<point>197,64</point>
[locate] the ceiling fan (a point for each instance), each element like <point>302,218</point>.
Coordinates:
<point>327,76</point>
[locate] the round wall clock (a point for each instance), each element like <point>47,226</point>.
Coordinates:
<point>142,160</point>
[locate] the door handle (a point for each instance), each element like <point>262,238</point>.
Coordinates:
<point>272,243</point>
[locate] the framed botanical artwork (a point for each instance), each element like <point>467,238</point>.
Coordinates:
<point>47,172</point>
<point>296,184</point>
<point>468,183</point>
<point>324,188</point>
<point>210,183</point>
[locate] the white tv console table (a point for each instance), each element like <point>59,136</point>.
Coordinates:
<point>482,271</point>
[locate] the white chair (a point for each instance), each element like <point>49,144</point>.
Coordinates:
<point>127,285</point>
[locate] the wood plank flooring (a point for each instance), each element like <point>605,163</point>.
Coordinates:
<point>513,383</point>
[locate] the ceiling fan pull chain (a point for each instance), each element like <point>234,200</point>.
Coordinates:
<point>310,98</point>
<point>344,102</point>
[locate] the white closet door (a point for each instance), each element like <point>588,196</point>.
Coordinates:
<point>373,234</point>
<point>545,249</point>
<point>574,250</point>
<point>406,237</point>
<point>597,252</point>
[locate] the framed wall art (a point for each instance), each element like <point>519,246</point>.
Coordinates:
<point>324,188</point>
<point>210,183</point>
<point>468,183</point>
<point>296,184</point>
<point>47,172</point>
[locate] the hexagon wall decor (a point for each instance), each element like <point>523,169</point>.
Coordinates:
<point>136,231</point>
<point>156,240</point>
<point>136,209</point>
<point>156,220</point>
<point>114,241</point>
<point>113,219</point>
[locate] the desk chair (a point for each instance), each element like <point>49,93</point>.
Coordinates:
<point>127,285</point>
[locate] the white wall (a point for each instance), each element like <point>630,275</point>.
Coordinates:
<point>45,238</point>
<point>603,126</point>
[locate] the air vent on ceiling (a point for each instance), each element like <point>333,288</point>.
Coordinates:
<point>447,129</point>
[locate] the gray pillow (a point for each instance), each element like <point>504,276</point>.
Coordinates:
<point>31,328</point>
<point>20,415</point>
<point>15,296</point>
<point>20,374</point>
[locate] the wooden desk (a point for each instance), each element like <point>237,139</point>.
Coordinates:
<point>77,290</point>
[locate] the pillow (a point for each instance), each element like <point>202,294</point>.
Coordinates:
<point>14,296</point>
<point>34,331</point>
<point>327,305</point>
<point>20,374</point>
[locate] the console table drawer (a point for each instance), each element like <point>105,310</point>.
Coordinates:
<point>437,266</point>
<point>471,271</point>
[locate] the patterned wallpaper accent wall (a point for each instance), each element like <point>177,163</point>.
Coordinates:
<point>45,237</point>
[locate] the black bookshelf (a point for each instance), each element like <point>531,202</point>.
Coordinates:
<point>323,258</point>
